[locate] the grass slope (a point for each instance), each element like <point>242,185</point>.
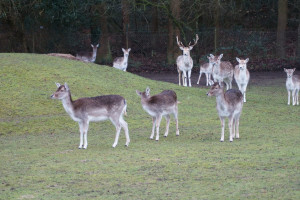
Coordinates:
<point>40,159</point>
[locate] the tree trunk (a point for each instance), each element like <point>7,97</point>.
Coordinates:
<point>217,24</point>
<point>173,50</point>
<point>281,26</point>
<point>298,47</point>
<point>126,21</point>
<point>154,25</point>
<point>104,53</point>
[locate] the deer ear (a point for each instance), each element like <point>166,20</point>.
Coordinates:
<point>294,69</point>
<point>57,84</point>
<point>123,49</point>
<point>247,60</point>
<point>190,48</point>
<point>129,49</point>
<point>220,56</point>
<point>92,45</point>
<point>67,87</point>
<point>237,59</point>
<point>138,93</point>
<point>284,69</point>
<point>97,45</point>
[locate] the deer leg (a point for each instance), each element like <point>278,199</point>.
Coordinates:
<point>168,124</point>
<point>230,126</point>
<point>199,78</point>
<point>179,77</point>
<point>176,119</point>
<point>81,135</point>
<point>125,127</point>
<point>237,124</point>
<point>158,120</point>
<point>233,128</point>
<point>184,78</point>
<point>289,96</point>
<point>294,97</point>
<point>85,131</point>
<point>153,127</point>
<point>189,76</point>
<point>297,97</point>
<point>223,127</point>
<point>116,123</point>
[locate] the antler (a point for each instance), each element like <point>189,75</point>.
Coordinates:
<point>178,42</point>
<point>195,41</point>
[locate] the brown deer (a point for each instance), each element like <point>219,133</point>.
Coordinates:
<point>242,76</point>
<point>292,85</point>
<point>229,104</point>
<point>86,110</point>
<point>222,71</point>
<point>162,104</point>
<point>122,62</point>
<point>88,56</point>
<point>185,62</point>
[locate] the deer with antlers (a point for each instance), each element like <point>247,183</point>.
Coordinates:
<point>185,62</point>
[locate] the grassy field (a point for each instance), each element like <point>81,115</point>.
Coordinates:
<point>40,159</point>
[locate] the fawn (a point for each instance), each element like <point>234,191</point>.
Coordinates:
<point>122,62</point>
<point>292,85</point>
<point>162,104</point>
<point>88,56</point>
<point>242,76</point>
<point>86,110</point>
<point>229,104</point>
<point>206,68</point>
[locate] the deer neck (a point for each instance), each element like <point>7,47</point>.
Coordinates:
<point>221,102</point>
<point>94,55</point>
<point>68,105</point>
<point>125,58</point>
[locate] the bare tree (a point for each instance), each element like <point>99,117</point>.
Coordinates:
<point>126,19</point>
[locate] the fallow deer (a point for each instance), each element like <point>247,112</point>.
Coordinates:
<point>292,85</point>
<point>88,56</point>
<point>242,76</point>
<point>222,71</point>
<point>185,62</point>
<point>229,104</point>
<point>122,62</point>
<point>162,104</point>
<point>206,68</point>
<point>86,110</point>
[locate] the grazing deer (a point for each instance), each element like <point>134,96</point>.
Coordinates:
<point>292,85</point>
<point>122,62</point>
<point>86,110</point>
<point>88,56</point>
<point>242,76</point>
<point>229,104</point>
<point>222,71</point>
<point>206,68</point>
<point>162,104</point>
<point>185,62</point>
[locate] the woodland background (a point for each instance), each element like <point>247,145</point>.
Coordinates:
<point>266,31</point>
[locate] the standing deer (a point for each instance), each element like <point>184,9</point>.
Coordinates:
<point>122,62</point>
<point>206,68</point>
<point>185,62</point>
<point>229,104</point>
<point>88,56</point>
<point>292,85</point>
<point>242,76</point>
<point>86,110</point>
<point>222,71</point>
<point>162,104</point>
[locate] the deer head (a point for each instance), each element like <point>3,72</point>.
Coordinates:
<point>126,52</point>
<point>186,50</point>
<point>242,63</point>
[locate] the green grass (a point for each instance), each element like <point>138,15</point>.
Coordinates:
<point>40,159</point>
